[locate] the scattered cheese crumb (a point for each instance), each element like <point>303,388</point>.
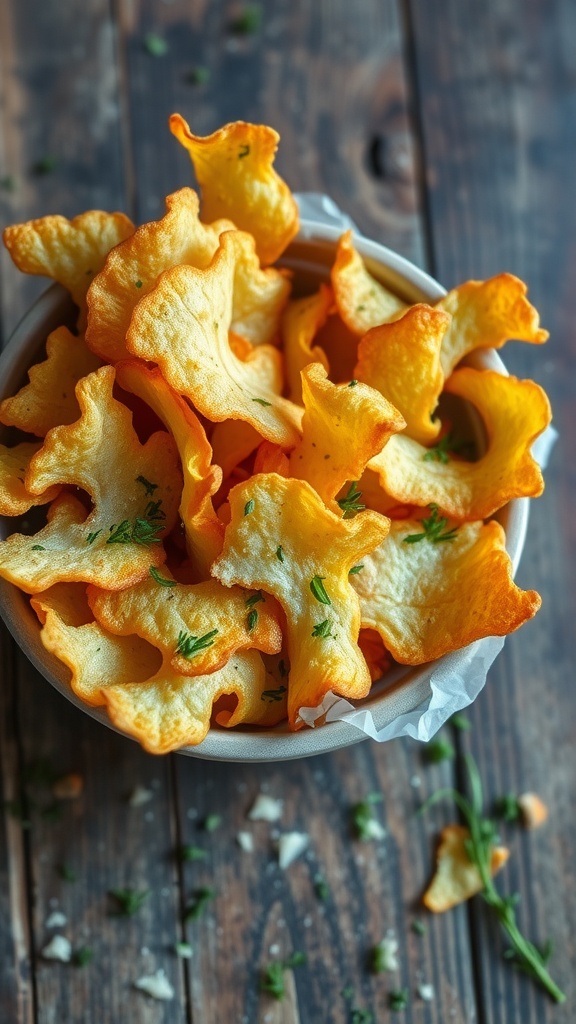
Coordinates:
<point>155,985</point>
<point>56,919</point>
<point>533,809</point>
<point>140,795</point>
<point>426,992</point>
<point>374,830</point>
<point>245,841</point>
<point>415,781</point>
<point>266,808</point>
<point>59,948</point>
<point>388,957</point>
<point>290,846</point>
<point>274,949</point>
<point>69,787</point>
<point>183,949</point>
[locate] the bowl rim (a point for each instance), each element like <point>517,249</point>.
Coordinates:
<point>404,690</point>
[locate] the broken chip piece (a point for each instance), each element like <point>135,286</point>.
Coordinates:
<point>457,878</point>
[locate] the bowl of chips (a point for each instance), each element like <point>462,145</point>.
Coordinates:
<point>258,465</point>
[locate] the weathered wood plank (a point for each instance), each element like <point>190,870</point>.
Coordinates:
<point>498,106</point>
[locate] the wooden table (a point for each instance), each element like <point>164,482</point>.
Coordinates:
<point>447,131</point>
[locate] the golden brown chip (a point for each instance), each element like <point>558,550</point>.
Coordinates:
<point>486,314</point>
<point>402,361</point>
<point>234,169</point>
<point>301,322</point>
<point>457,878</point>
<point>14,462</point>
<point>49,400</point>
<point>196,627</point>
<point>233,441</point>
<point>135,491</point>
<point>183,326</point>
<point>343,426</point>
<point>362,302</point>
<point>515,412</point>
<point>259,295</point>
<point>204,531</point>
<point>284,540</point>
<point>533,809</point>
<point>71,252</point>
<point>428,598</point>
<point>377,657</point>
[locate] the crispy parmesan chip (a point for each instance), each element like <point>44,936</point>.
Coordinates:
<point>234,169</point>
<point>457,878</point>
<point>14,462</point>
<point>233,441</point>
<point>183,326</point>
<point>196,627</point>
<point>377,657</point>
<point>342,428</point>
<point>426,599</point>
<point>284,540</point>
<point>486,314</point>
<point>362,302</point>
<point>135,490</point>
<point>204,531</point>
<point>71,252</point>
<point>259,295</point>
<point>514,412</point>
<point>301,322</point>
<point>402,361</point>
<point>49,399</point>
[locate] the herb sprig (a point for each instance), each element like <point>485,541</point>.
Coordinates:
<point>144,529</point>
<point>434,529</point>
<point>350,503</point>
<point>447,446</point>
<point>272,980</point>
<point>189,645</point>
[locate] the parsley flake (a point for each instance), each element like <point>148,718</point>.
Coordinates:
<point>398,1000</point>
<point>144,530</point>
<point>280,553</point>
<point>508,808</point>
<point>161,579</point>
<point>251,601</point>
<point>418,927</point>
<point>244,151</point>
<point>138,284</point>
<point>350,503</point>
<point>197,76</point>
<point>190,853</point>
<point>460,722</point>
<point>322,629</point>
<point>129,900</point>
<point>352,383</point>
<point>188,645</point>
<point>82,956</point>
<point>318,590</point>
<point>447,446</point>
<point>202,898</point>
<point>438,750</point>
<point>248,21</point>
<point>249,506</point>
<point>364,824</point>
<point>355,570</point>
<point>261,401</point>
<point>252,619</point>
<point>38,547</point>
<point>212,822</point>
<point>271,696</point>
<point>154,45</point>
<point>432,529</point>
<point>150,488</point>
<point>321,888</point>
<point>92,536</point>
<point>272,980</point>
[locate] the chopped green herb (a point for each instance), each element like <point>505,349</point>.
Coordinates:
<point>280,553</point>
<point>255,599</point>
<point>212,822</point>
<point>380,959</point>
<point>355,569</point>
<point>150,488</point>
<point>270,696</point>
<point>432,529</point>
<point>318,590</point>
<point>282,668</point>
<point>297,959</point>
<point>249,506</point>
<point>350,503</point>
<point>508,808</point>
<point>67,873</point>
<point>82,956</point>
<point>483,836</point>
<point>244,151</point>
<point>144,530</point>
<point>252,619</point>
<point>438,750</point>
<point>248,21</point>
<point>361,1016</point>
<point>460,722</point>
<point>201,900</point>
<point>447,446</point>
<point>156,575</point>
<point>398,1000</point>
<point>92,536</point>
<point>155,45</point>
<point>261,401</point>
<point>347,993</point>
<point>38,547</point>
<point>183,950</point>
<point>190,853</point>
<point>321,888</point>
<point>418,927</point>
<point>322,628</point>
<point>364,824</point>
<point>198,75</point>
<point>352,383</point>
<point>46,165</point>
<point>8,183</point>
<point>138,284</point>
<point>272,980</point>
<point>129,900</point>
<point>189,645</point>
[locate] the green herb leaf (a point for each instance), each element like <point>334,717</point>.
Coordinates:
<point>255,599</point>
<point>212,822</point>
<point>46,165</point>
<point>438,750</point>
<point>318,590</point>
<point>242,152</point>
<point>418,927</point>
<point>156,575</point>
<point>144,530</point>
<point>129,900</point>
<point>350,503</point>
<point>190,853</point>
<point>432,529</point>
<point>270,696</point>
<point>67,873</point>
<point>364,824</point>
<point>321,888</point>
<point>398,1000</point>
<point>322,629</point>
<point>38,547</point>
<point>261,401</point>
<point>252,619</point>
<point>248,21</point>
<point>272,980</point>
<point>296,959</point>
<point>361,1016</point>
<point>508,808</point>
<point>150,488</point>
<point>355,569</point>
<point>447,446</point>
<point>280,553</point>
<point>138,284</point>
<point>460,722</point>
<point>198,75</point>
<point>352,383</point>
<point>82,956</point>
<point>189,645</point>
<point>249,506</point>
<point>202,898</point>
<point>155,45</point>
<point>92,536</point>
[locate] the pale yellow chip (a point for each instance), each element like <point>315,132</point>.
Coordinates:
<point>402,361</point>
<point>49,398</point>
<point>135,492</point>
<point>15,500</point>
<point>514,412</point>
<point>183,324</point>
<point>233,441</point>
<point>486,314</point>
<point>284,540</point>
<point>361,300</point>
<point>234,169</point>
<point>457,879</point>
<point>343,426</point>
<point>204,531</point>
<point>428,598</point>
<point>301,322</point>
<point>259,295</point>
<point>71,252</point>
<point>196,627</point>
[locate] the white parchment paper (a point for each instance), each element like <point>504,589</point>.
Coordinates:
<point>456,680</point>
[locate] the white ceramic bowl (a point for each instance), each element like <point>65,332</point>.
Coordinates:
<point>403,690</point>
